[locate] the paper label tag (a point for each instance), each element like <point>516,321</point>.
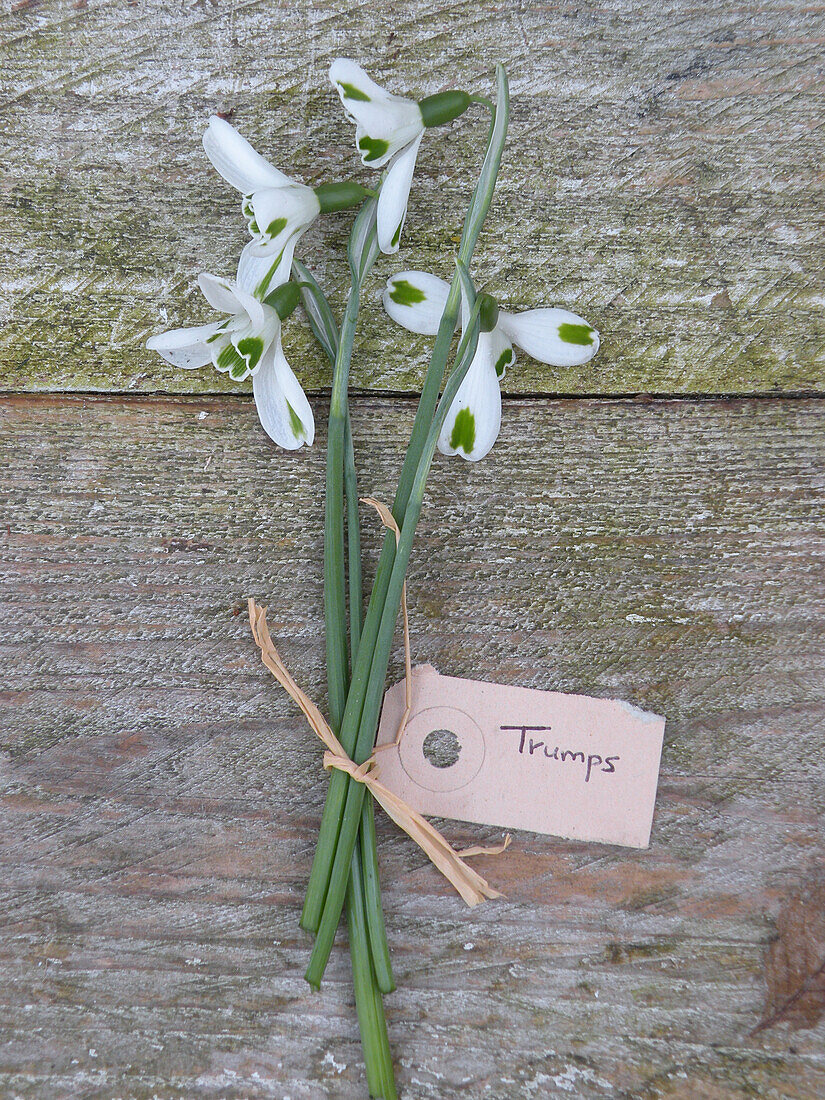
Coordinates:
<point>568,765</point>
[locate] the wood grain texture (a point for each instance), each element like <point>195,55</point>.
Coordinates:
<point>663,178</point>
<point>161,797</point>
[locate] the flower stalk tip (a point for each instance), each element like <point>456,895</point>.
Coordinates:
<point>284,299</point>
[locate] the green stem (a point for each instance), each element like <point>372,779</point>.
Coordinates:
<point>339,783</point>
<point>362,252</point>
<point>369,980</point>
<point>334,575</point>
<point>335,615</point>
<point>351,818</point>
<point>366,929</point>
<point>326,332</point>
<point>368,850</point>
<point>353,541</point>
<point>488,103</point>
<point>379,948</point>
<point>368,1004</point>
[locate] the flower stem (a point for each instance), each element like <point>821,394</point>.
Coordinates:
<point>362,251</point>
<point>335,618</point>
<point>482,99</point>
<point>368,1004</point>
<point>353,541</point>
<point>368,852</point>
<point>362,931</point>
<point>363,666</point>
<point>364,917</point>
<point>354,800</point>
<point>368,989</point>
<point>379,948</point>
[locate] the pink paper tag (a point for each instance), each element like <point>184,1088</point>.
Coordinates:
<point>568,765</point>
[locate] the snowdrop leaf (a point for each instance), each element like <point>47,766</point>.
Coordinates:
<point>317,308</point>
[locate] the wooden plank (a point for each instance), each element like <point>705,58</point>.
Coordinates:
<point>161,798</point>
<point>663,179</point>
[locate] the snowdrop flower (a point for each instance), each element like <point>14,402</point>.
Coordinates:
<point>416,300</point>
<point>247,343</point>
<point>278,210</point>
<point>388,132</point>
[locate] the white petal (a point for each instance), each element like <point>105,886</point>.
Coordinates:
<point>353,84</point>
<point>282,210</point>
<point>266,250</point>
<point>502,352</point>
<point>220,293</point>
<point>252,341</point>
<point>259,274</point>
<point>235,159</point>
<point>554,336</point>
<point>416,300</point>
<point>282,216</point>
<point>394,196</point>
<point>251,307</point>
<point>386,123</point>
<point>282,405</point>
<point>474,418</point>
<point>228,297</point>
<point>185,347</point>
<point>226,359</point>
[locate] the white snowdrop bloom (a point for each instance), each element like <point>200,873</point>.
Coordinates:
<point>416,300</point>
<point>388,131</point>
<point>278,210</point>
<point>247,343</point>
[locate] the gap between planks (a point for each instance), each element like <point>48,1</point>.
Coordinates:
<point>26,397</point>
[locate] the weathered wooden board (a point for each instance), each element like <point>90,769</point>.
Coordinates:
<point>663,179</point>
<point>161,797</point>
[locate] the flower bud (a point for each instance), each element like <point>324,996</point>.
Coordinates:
<point>283,299</point>
<point>340,196</point>
<point>438,109</point>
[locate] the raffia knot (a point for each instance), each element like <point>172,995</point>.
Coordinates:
<point>470,885</point>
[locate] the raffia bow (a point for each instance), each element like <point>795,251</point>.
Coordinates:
<point>472,887</point>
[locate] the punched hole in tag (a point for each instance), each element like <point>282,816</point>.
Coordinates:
<point>442,748</point>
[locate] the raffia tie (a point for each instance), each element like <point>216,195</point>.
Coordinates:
<point>472,887</point>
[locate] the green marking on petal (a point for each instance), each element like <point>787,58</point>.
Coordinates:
<point>503,362</point>
<point>263,285</point>
<point>238,372</point>
<point>405,293</point>
<point>275,227</point>
<point>576,334</point>
<point>373,148</point>
<point>229,360</point>
<point>249,214</point>
<point>396,237</point>
<point>220,332</point>
<point>251,348</point>
<point>295,423</point>
<point>464,432</point>
<point>351,92</point>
